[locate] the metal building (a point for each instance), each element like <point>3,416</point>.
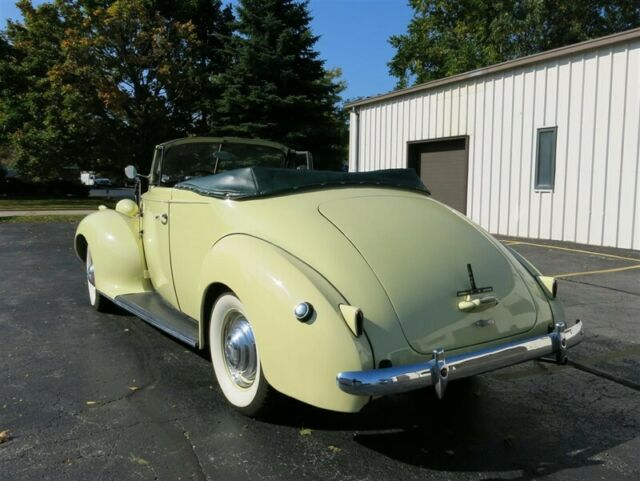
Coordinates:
<point>545,146</point>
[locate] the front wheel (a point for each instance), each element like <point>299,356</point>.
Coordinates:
<point>236,358</point>
<point>97,300</point>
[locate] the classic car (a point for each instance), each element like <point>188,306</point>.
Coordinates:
<point>329,287</point>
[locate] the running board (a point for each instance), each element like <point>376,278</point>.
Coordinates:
<point>151,308</point>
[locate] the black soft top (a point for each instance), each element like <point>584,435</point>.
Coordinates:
<point>252,182</point>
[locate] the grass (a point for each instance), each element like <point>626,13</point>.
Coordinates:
<point>46,204</point>
<point>38,219</point>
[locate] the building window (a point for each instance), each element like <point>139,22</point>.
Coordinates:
<point>546,158</point>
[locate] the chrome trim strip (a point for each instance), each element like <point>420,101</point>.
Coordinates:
<point>439,370</point>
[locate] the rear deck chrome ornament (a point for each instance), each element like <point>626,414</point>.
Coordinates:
<point>474,289</point>
<point>479,303</point>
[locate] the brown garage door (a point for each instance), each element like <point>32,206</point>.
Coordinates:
<point>442,166</point>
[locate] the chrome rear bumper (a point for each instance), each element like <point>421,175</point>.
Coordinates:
<point>439,370</point>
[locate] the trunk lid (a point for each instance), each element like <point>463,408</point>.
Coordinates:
<point>419,250</point>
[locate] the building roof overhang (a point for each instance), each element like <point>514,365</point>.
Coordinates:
<point>567,50</point>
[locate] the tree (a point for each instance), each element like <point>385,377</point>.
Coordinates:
<point>6,81</point>
<point>277,87</point>
<point>130,68</point>
<point>28,104</point>
<point>446,37</point>
<point>97,83</point>
<point>213,26</point>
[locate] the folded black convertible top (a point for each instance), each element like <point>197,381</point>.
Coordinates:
<point>252,182</point>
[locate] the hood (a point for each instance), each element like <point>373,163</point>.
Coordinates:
<point>422,253</point>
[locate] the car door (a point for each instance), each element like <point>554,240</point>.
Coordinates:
<point>156,222</point>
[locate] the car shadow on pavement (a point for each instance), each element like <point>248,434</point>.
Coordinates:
<point>478,428</point>
<point>528,421</point>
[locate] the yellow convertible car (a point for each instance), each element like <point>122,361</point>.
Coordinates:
<point>332,288</point>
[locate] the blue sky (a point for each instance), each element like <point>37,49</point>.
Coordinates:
<point>353,36</point>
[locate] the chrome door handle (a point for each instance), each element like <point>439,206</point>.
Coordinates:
<point>163,218</point>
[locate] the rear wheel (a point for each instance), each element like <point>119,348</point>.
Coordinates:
<point>97,300</point>
<point>236,358</point>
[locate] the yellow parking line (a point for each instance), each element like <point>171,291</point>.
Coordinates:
<point>579,251</point>
<point>601,271</point>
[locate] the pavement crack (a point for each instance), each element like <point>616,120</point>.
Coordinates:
<point>200,474</point>
<point>605,375</point>
<point>126,396</point>
<point>172,428</point>
<point>601,287</point>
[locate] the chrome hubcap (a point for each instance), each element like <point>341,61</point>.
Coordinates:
<point>91,274</point>
<point>240,353</point>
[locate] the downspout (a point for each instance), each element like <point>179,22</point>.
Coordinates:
<point>356,146</point>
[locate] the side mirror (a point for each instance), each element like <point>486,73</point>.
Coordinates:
<point>131,172</point>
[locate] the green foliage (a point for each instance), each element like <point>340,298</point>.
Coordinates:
<point>97,83</point>
<point>130,67</point>
<point>6,158</point>
<point>277,87</point>
<point>446,37</point>
<point>28,104</point>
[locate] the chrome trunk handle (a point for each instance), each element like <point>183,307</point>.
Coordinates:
<point>469,305</point>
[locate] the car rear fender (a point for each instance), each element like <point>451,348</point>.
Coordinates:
<point>116,249</point>
<point>299,359</point>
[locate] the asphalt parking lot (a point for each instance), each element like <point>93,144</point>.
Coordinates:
<point>94,396</point>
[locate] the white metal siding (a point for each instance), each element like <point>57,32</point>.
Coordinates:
<point>593,98</point>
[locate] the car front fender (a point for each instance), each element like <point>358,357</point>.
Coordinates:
<point>299,359</point>
<point>116,249</point>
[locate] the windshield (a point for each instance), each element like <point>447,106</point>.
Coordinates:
<point>197,159</point>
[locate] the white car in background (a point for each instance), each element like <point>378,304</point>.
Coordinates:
<point>102,182</point>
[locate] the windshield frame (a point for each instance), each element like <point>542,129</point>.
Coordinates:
<point>161,150</point>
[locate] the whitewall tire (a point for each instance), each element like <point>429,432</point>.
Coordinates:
<point>97,300</point>
<point>235,356</point>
